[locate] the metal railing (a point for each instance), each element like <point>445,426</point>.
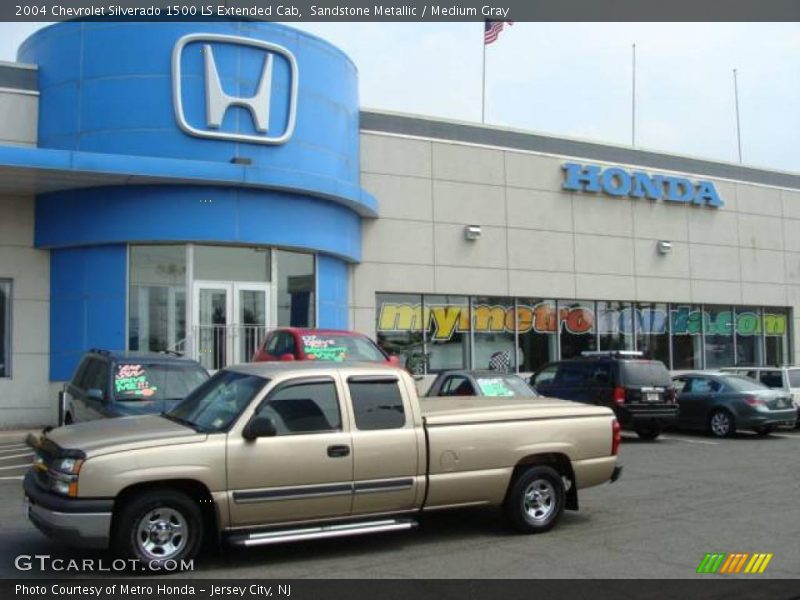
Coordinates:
<point>217,346</point>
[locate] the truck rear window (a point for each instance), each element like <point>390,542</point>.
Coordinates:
<point>644,374</point>
<point>141,381</point>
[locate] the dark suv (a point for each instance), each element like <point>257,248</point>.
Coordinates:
<point>639,391</point>
<point>116,384</point>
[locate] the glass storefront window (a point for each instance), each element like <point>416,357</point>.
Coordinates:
<point>399,329</point>
<point>749,341</point>
<point>687,337</point>
<point>447,337</point>
<point>719,330</point>
<point>231,263</point>
<point>578,333</point>
<point>652,330</point>
<point>433,333</point>
<point>5,328</point>
<point>776,336</point>
<point>537,322</point>
<point>615,325</point>
<point>157,298</point>
<point>296,289</point>
<point>493,334</point>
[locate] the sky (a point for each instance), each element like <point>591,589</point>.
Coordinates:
<point>575,80</point>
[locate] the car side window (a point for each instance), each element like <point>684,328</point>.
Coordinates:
<point>680,384</point>
<point>79,378</point>
<point>570,374</point>
<point>703,385</point>
<point>289,345</point>
<point>377,403</point>
<point>601,375</point>
<point>309,407</point>
<point>546,375</point>
<point>95,376</point>
<point>272,345</point>
<point>772,379</point>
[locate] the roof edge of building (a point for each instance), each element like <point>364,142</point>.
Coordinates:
<point>435,128</point>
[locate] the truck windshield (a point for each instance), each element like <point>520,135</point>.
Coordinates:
<point>216,404</point>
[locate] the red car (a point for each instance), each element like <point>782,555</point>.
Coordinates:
<point>292,343</point>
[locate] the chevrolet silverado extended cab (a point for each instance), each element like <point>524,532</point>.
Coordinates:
<point>272,452</point>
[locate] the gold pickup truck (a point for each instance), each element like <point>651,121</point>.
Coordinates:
<point>274,452</point>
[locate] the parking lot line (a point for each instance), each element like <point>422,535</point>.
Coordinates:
<point>14,477</point>
<point>12,446</point>
<point>16,456</point>
<point>689,440</point>
<point>23,465</point>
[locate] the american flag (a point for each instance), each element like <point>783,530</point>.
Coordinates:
<point>492,29</point>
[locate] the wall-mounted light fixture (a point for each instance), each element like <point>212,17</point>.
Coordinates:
<point>472,232</point>
<point>664,247</point>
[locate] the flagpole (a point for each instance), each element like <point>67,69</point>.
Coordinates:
<point>738,125</point>
<point>633,100</point>
<point>483,82</point>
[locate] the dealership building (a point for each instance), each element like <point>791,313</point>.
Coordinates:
<point>187,186</point>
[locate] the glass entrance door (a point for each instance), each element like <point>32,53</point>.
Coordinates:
<point>230,320</point>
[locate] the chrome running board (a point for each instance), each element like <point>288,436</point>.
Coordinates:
<point>300,534</point>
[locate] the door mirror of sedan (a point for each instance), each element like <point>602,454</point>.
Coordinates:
<point>259,426</point>
<point>287,357</point>
<point>95,394</point>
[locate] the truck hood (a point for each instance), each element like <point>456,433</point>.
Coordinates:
<point>473,409</point>
<point>104,436</point>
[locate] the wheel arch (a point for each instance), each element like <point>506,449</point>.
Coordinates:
<point>196,490</point>
<point>560,462</point>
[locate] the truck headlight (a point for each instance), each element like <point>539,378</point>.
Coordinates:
<point>64,476</point>
<point>70,466</point>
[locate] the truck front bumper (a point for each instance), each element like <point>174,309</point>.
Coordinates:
<point>78,522</point>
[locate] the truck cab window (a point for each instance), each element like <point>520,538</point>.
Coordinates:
<point>304,408</point>
<point>377,404</point>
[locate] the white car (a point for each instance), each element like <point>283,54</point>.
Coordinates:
<point>779,378</point>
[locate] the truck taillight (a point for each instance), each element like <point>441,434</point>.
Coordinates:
<point>616,437</point>
<point>618,395</point>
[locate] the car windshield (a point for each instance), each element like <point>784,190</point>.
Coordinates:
<point>504,386</point>
<point>794,378</point>
<point>138,381</point>
<point>337,348</point>
<point>742,384</point>
<point>644,373</point>
<point>218,402</point>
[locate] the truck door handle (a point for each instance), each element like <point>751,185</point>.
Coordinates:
<point>337,451</point>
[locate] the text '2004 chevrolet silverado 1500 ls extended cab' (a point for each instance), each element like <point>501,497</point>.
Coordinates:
<point>269,452</point>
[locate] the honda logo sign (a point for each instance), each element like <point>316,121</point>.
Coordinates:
<point>218,101</point>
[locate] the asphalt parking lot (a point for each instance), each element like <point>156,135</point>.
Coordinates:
<point>679,498</point>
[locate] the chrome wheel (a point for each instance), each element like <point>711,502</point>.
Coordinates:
<point>720,424</point>
<point>539,500</point>
<point>161,533</point>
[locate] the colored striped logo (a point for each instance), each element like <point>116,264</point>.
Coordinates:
<point>722,563</point>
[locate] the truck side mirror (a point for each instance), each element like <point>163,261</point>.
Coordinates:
<point>288,356</point>
<point>394,360</point>
<point>259,426</point>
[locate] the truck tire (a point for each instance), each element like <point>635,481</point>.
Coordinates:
<point>536,500</point>
<point>157,526</point>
